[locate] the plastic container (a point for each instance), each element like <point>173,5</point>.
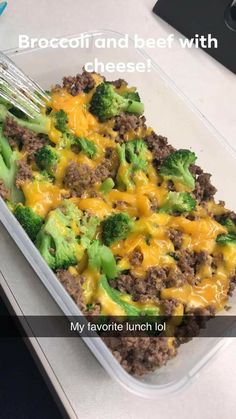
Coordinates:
<point>172,115</point>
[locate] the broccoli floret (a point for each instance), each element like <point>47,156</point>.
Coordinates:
<point>88,228</point>
<point>101,258</point>
<point>30,221</point>
<point>136,154</point>
<point>229,224</point>
<point>57,240</point>
<point>178,202</point>
<point>226,238</point>
<point>85,146</point>
<point>116,227</point>
<point>68,139</point>
<point>61,120</point>
<point>8,169</point>
<point>176,168</point>
<point>132,96</point>
<point>124,174</point>
<point>65,235</point>
<point>46,158</point>
<point>133,157</point>
<point>43,176</point>
<point>39,124</point>
<point>107,103</point>
<point>107,186</point>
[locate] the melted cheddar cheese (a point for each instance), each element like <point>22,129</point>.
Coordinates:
<point>151,230</point>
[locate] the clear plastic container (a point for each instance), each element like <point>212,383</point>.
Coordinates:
<point>172,115</point>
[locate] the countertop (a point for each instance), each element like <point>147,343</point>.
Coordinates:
<point>86,389</point>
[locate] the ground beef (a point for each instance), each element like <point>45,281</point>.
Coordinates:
<point>176,278</point>
<point>156,278</point>
<point>204,190</point>
<point>73,286</point>
<point>109,166</point>
<point>102,171</point>
<point>136,257</point>
<point>186,262</point>
<point>142,289</point>
<point>189,263</point>
<point>195,170</point>
<point>159,147</point>
<point>126,122</point>
<point>118,83</point>
<point>112,158</point>
<point>24,173</point>
<point>124,283</point>
<point>194,321</point>
<point>4,192</point>
<point>80,83</point>
<point>26,139</point>
<point>140,355</point>
<point>176,237</point>
<point>169,306</point>
<point>78,178</point>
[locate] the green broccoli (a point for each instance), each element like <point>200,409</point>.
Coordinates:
<point>116,227</point>
<point>229,238</point>
<point>132,96</point>
<point>101,258</point>
<point>229,224</point>
<point>176,168</point>
<point>122,300</point>
<point>8,169</point>
<point>30,221</point>
<point>61,120</point>
<point>88,228</point>
<point>136,154</point>
<point>46,158</point>
<point>85,146</point>
<point>43,176</point>
<point>133,156</point>
<point>178,202</point>
<point>57,241</point>
<point>107,185</point>
<point>39,124</point>
<point>107,103</point>
<point>68,139</point>
<point>124,173</point>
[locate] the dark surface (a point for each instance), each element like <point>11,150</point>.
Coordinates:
<point>204,17</point>
<point>23,394</point>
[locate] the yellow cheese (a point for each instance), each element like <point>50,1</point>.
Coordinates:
<point>151,230</point>
<point>211,291</point>
<point>95,206</point>
<point>42,196</point>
